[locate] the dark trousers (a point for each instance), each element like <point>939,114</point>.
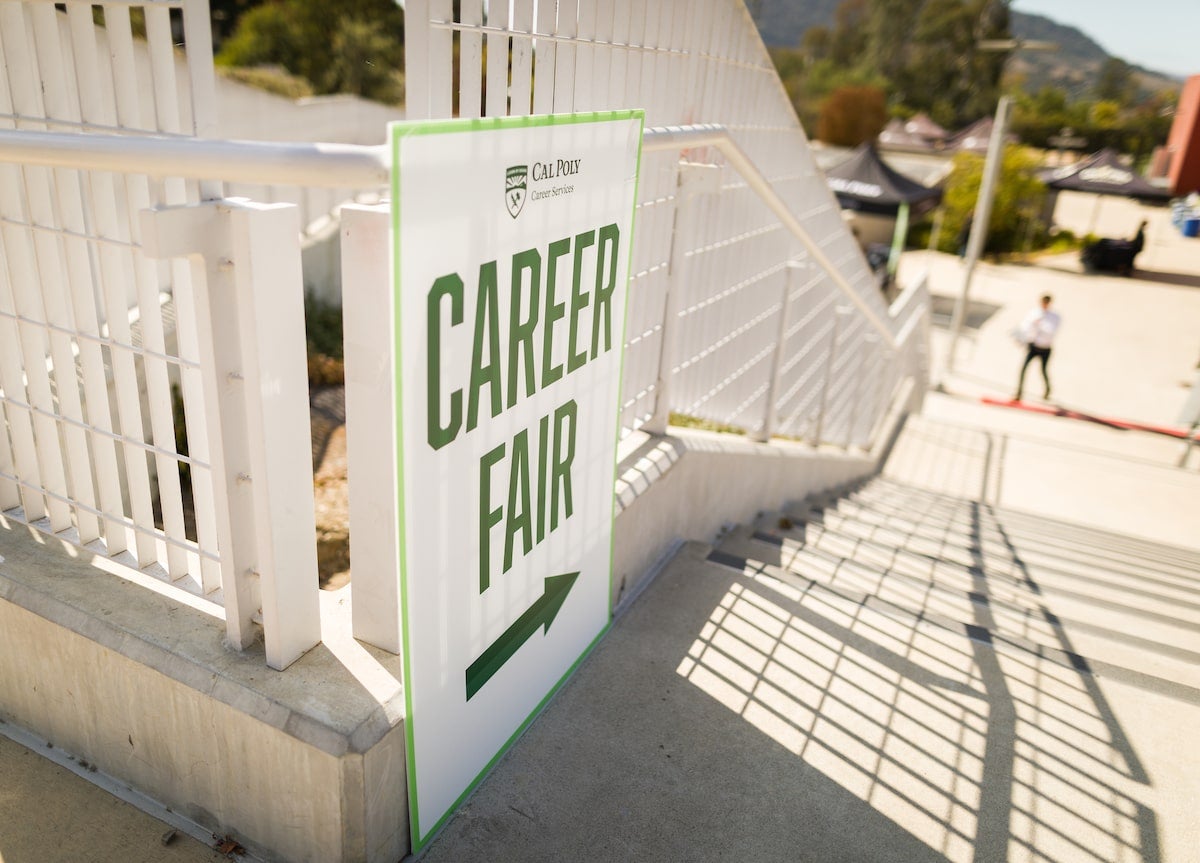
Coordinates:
<point>1042,354</point>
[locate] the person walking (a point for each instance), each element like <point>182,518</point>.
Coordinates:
<point>1037,332</point>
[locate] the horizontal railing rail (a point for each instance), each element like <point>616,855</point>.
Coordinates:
<point>342,165</point>
<point>844,400</point>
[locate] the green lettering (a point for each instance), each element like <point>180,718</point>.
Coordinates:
<point>579,301</point>
<point>520,333</point>
<point>554,311</point>
<point>440,434</point>
<point>610,238</point>
<point>488,517</point>
<point>543,459</point>
<point>518,485</point>
<point>560,473</point>
<point>487,326</point>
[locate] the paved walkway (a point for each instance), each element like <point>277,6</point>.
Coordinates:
<point>637,760</point>
<point>1021,683</point>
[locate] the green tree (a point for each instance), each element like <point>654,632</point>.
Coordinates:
<point>1115,82</point>
<point>1016,208</point>
<point>225,15</point>
<point>852,115</point>
<point>945,73</point>
<point>339,46</point>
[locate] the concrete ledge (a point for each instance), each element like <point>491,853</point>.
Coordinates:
<point>308,764</point>
<point>689,485</point>
<point>301,765</point>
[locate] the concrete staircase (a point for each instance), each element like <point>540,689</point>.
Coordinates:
<point>879,673</point>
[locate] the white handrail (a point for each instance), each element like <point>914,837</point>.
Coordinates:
<point>713,135</point>
<point>261,162</point>
<point>353,165</point>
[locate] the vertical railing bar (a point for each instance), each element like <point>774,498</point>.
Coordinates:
<point>54,282</point>
<point>601,95</point>
<point>197,28</point>
<point>470,54</point>
<point>619,70</point>
<point>25,94</point>
<point>585,58</point>
<point>496,96</point>
<point>175,191</point>
<point>830,361</point>
<point>85,291</point>
<point>137,192</point>
<point>672,303</point>
<point>521,82</point>
<point>636,60</point>
<point>565,54</point>
<point>118,267</point>
<point>441,62</point>
<point>416,60</point>
<point>866,355</point>
<point>768,421</point>
<point>545,52</point>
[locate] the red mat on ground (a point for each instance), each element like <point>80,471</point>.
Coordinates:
<point>1055,410</point>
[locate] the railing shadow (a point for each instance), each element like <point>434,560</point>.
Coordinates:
<point>891,679</point>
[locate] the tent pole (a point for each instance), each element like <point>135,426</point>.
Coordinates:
<point>898,235</point>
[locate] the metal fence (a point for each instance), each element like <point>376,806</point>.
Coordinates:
<point>151,334</point>
<point>711,261</point>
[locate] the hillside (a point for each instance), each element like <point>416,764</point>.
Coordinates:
<point>1073,67</point>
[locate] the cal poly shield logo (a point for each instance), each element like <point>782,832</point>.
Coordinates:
<point>514,189</point>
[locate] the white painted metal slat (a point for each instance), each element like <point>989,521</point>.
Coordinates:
<point>83,300</point>
<point>441,81</point>
<point>23,258</point>
<point>545,54</point>
<point>158,386</point>
<point>120,291</point>
<point>172,192</point>
<point>496,94</point>
<point>565,57</point>
<point>618,73</point>
<point>416,59</point>
<point>585,58</point>
<point>520,88</point>
<point>207,507</point>
<point>55,282</point>
<point>600,95</point>
<point>470,53</point>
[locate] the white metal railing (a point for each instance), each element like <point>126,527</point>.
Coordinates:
<point>129,277</point>
<point>107,354</point>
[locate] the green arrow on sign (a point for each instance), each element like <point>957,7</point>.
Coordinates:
<point>541,613</point>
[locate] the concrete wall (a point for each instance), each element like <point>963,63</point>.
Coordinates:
<point>308,764</point>
<point>693,484</point>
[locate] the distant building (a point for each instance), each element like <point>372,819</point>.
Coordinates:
<point>1183,144</point>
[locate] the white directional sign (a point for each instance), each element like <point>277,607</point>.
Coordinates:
<point>511,251</point>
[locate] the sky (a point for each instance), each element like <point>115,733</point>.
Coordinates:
<point>1160,35</point>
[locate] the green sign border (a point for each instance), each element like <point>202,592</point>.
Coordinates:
<point>397,133</point>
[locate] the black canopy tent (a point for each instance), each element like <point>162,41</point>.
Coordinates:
<point>1100,174</point>
<point>864,182</point>
<point>1103,173</point>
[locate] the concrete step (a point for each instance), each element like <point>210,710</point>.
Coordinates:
<point>1102,600</point>
<point>1054,545</point>
<point>1018,618</point>
<point>1020,623</point>
<point>901,501</point>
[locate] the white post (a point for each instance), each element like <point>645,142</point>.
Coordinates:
<point>823,405</point>
<point>860,383</point>
<point>368,318</point>
<point>250,319</point>
<point>693,179</point>
<point>769,413</point>
<point>979,225</point>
